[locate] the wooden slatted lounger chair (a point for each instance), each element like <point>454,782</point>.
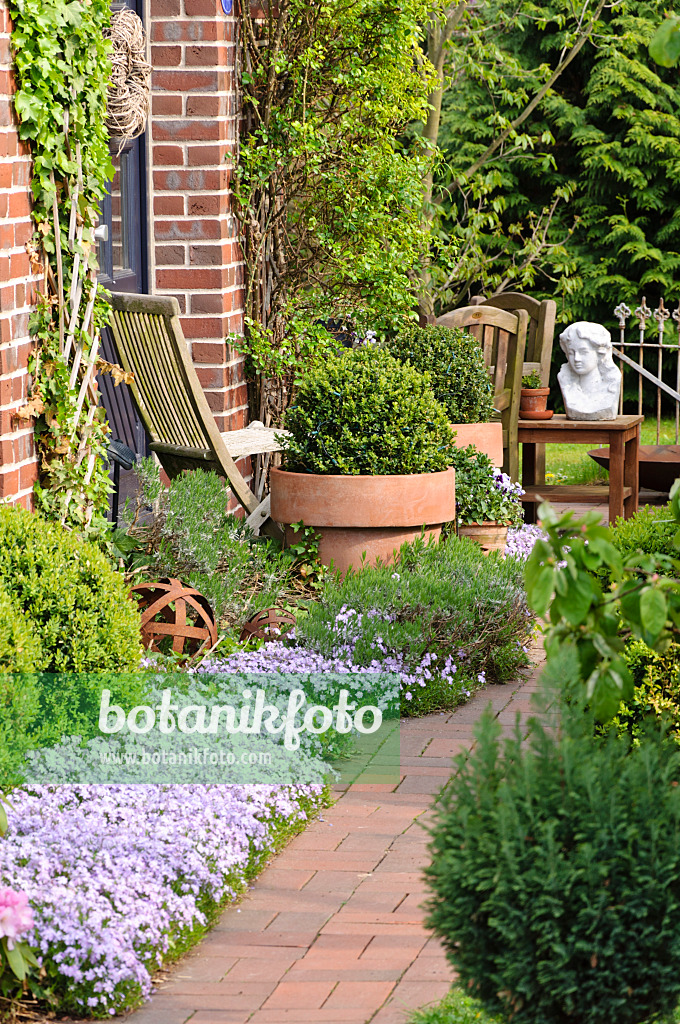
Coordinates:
<point>171,403</point>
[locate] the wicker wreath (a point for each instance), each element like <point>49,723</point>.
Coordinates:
<point>174,614</point>
<point>129,99</point>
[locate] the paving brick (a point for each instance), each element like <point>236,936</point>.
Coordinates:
<point>299,995</point>
<point>262,968</point>
<point>245,918</point>
<point>372,959</point>
<point>199,967</point>
<point>297,1016</point>
<point>241,995</point>
<point>411,995</point>
<point>346,972</point>
<point>337,926</point>
<point>163,1011</point>
<point>366,995</point>
<point>308,922</point>
<point>430,968</point>
<point>220,1017</point>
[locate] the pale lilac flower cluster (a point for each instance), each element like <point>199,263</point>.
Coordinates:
<point>115,872</point>
<point>346,630</point>
<point>521,540</point>
<point>16,917</point>
<point>505,485</point>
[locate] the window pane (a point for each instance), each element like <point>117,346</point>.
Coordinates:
<point>120,214</point>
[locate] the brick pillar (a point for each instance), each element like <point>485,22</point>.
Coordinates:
<point>193,128</point>
<point>18,467</point>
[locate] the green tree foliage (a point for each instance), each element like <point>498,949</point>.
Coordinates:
<point>329,196</point>
<point>581,199</point>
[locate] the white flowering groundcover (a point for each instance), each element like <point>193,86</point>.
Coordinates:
<point>121,877</point>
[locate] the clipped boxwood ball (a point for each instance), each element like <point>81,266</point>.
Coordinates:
<point>362,412</point>
<point>556,875</point>
<point>455,362</point>
<point>19,647</point>
<point>73,601</point>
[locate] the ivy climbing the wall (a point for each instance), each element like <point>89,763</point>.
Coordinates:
<point>63,68</point>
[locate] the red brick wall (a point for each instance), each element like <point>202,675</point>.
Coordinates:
<point>195,254</point>
<point>18,470</point>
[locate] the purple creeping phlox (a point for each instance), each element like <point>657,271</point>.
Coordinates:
<point>114,873</point>
<point>520,541</point>
<point>277,656</point>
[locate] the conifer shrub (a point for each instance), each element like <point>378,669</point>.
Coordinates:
<point>363,412</point>
<point>72,600</point>
<point>555,875</point>
<point>454,360</point>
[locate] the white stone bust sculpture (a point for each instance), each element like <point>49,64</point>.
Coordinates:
<point>589,380</point>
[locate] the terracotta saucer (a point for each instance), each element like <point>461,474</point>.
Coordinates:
<point>545,414</point>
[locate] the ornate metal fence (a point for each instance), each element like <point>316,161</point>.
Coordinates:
<point>644,354</point>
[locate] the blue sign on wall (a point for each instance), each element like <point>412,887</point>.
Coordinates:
<point>227,6</point>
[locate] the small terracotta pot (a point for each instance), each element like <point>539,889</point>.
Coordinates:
<point>354,515</point>
<point>490,536</point>
<point>486,437</point>
<point>533,400</point>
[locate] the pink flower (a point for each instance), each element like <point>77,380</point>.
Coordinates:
<point>16,917</point>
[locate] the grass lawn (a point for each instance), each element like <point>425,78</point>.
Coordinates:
<point>571,464</point>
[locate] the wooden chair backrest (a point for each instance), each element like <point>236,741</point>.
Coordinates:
<point>166,389</point>
<point>541,328</point>
<point>502,336</point>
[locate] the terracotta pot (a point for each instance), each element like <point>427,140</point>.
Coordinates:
<point>490,536</point>
<point>357,514</point>
<point>533,400</point>
<point>487,437</point>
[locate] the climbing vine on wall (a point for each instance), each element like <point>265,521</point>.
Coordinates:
<point>62,67</point>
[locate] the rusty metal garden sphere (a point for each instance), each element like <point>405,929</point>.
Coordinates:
<point>268,624</point>
<point>172,610</point>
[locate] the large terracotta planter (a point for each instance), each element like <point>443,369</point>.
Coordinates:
<point>354,515</point>
<point>490,536</point>
<point>486,437</point>
<point>533,402</point>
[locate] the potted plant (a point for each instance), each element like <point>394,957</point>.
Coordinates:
<point>534,398</point>
<point>487,501</point>
<point>460,381</point>
<point>366,461</point>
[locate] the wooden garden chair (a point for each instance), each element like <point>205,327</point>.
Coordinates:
<point>172,405</point>
<point>540,336</point>
<point>503,337</point>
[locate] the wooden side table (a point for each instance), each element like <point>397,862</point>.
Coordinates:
<point>623,437</point>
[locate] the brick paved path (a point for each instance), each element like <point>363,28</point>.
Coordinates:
<point>332,930</point>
